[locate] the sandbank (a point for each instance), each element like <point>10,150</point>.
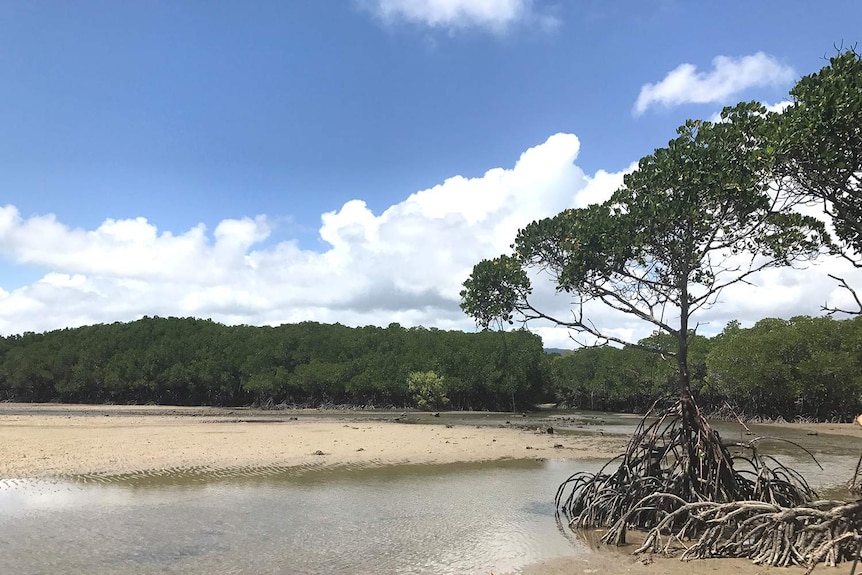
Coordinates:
<point>42,441</point>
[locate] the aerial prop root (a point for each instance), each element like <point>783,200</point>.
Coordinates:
<point>674,462</point>
<point>768,534</point>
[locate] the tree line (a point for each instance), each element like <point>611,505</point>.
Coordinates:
<point>804,366</point>
<point>185,361</point>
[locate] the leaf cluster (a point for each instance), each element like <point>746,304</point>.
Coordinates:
<point>819,143</point>
<point>696,216</point>
<point>428,389</point>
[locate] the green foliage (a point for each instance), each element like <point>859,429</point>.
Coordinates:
<point>600,378</point>
<point>808,367</point>
<point>819,138</point>
<point>189,361</point>
<point>625,379</point>
<point>695,217</point>
<point>493,291</point>
<point>819,143</point>
<point>802,366</point>
<point>428,389</point>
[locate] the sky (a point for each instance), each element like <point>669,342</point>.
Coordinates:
<point>350,161</point>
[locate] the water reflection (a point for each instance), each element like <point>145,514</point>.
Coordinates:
<point>421,519</point>
<point>464,518</point>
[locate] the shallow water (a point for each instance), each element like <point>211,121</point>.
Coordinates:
<point>824,460</point>
<point>464,518</point>
<point>417,519</point>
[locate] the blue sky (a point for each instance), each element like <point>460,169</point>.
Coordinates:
<point>258,118</point>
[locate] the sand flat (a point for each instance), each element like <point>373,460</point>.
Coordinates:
<point>44,441</point>
<point>41,440</point>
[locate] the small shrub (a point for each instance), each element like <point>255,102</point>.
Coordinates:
<point>428,389</point>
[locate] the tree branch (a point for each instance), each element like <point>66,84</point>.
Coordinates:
<point>580,325</point>
<point>845,285</point>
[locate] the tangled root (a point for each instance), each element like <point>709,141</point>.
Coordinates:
<point>768,534</point>
<point>855,484</point>
<point>671,466</point>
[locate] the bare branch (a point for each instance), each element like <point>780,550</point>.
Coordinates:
<point>580,325</point>
<point>844,285</point>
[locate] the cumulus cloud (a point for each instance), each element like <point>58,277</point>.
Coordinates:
<point>785,292</point>
<point>495,15</point>
<point>601,186</point>
<point>728,77</point>
<point>403,265</point>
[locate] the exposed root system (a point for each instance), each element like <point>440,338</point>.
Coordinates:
<point>855,484</point>
<point>674,466</point>
<point>768,534</point>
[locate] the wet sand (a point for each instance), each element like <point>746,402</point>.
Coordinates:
<point>42,441</point>
<point>852,429</point>
<point>618,562</point>
<point>38,440</point>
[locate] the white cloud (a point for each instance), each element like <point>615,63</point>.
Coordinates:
<point>495,15</point>
<point>727,79</point>
<point>784,293</point>
<point>403,265</point>
<point>778,107</point>
<point>601,186</point>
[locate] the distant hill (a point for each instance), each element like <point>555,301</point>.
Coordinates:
<point>557,350</point>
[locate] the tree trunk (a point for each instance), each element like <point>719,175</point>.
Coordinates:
<point>682,359</point>
<point>682,366</point>
<point>688,407</point>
